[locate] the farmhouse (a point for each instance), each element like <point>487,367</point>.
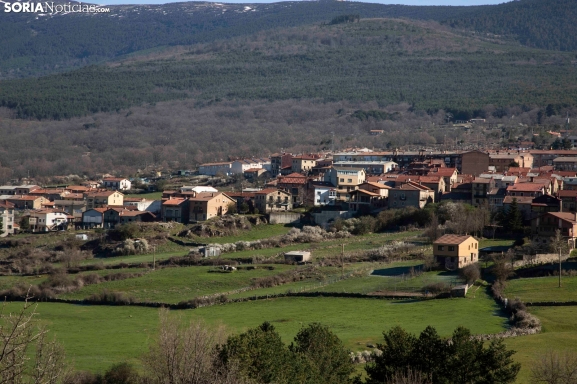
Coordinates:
<point>454,251</point>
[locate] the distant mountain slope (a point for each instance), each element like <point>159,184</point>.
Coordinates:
<point>34,45</point>
<point>550,24</point>
<point>388,61</point>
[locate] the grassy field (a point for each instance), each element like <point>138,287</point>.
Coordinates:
<point>172,285</point>
<point>559,334</point>
<point>98,336</point>
<point>483,243</point>
<point>543,289</point>
<point>150,196</point>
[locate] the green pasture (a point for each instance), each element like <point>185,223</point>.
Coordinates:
<point>95,337</point>
<point>172,285</point>
<point>559,334</point>
<point>543,289</point>
<point>149,196</point>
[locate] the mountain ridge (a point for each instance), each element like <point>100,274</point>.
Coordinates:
<point>35,45</point>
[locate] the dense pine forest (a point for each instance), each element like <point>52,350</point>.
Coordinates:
<point>543,24</point>
<point>388,61</point>
<point>35,45</point>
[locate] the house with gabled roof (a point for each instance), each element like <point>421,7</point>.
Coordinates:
<point>543,227</point>
<point>272,200</point>
<point>27,201</point>
<point>206,205</point>
<point>45,220</point>
<point>116,183</point>
<point>526,189</point>
<point>176,209</point>
<point>100,199</point>
<point>296,185</point>
<point>455,251</point>
<point>410,194</point>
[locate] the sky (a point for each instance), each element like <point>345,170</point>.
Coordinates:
<point>405,2</point>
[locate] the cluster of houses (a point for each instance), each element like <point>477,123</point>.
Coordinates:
<point>543,184</point>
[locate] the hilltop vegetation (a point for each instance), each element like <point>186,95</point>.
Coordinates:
<point>34,46</point>
<point>389,61</point>
<point>535,23</point>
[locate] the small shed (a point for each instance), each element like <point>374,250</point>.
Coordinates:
<point>209,251</point>
<point>297,256</point>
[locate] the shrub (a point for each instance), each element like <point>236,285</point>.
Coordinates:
<point>470,273</point>
<point>437,288</point>
<point>111,297</point>
<point>122,373</point>
<point>366,224</point>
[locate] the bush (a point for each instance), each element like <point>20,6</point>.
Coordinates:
<point>366,224</point>
<point>111,297</point>
<point>470,273</point>
<point>122,373</point>
<point>437,288</point>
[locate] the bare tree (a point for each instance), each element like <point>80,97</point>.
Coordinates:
<point>555,368</point>
<point>19,333</point>
<point>186,353</point>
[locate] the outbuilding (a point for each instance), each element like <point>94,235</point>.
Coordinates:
<point>297,256</point>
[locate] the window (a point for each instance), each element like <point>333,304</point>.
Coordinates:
<point>451,248</point>
<point>349,180</point>
<point>342,180</point>
<point>440,248</point>
<point>476,245</point>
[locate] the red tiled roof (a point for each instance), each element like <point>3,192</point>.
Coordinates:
<point>376,185</point>
<point>525,187</point>
<point>451,239</point>
<point>414,186</point>
<point>567,193</point>
<point>174,201</point>
<point>445,172</point>
<point>100,194</point>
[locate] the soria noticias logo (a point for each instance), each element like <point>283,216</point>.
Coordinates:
<point>51,7</point>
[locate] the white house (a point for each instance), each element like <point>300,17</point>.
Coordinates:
<point>240,166</point>
<point>324,193</point>
<point>213,169</point>
<point>142,205</point>
<point>44,220</point>
<point>116,183</point>
<point>7,215</point>
<point>197,189</point>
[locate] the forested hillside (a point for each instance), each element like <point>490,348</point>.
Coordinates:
<point>549,24</point>
<point>388,61</point>
<point>33,45</point>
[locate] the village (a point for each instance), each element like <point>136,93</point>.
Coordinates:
<point>326,186</point>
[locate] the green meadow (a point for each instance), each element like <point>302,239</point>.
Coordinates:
<point>543,289</point>
<point>172,285</point>
<point>99,336</point>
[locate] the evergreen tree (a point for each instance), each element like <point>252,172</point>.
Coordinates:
<point>514,221</point>
<point>460,359</point>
